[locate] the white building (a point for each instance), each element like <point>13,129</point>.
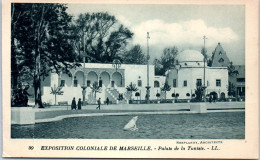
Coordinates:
<point>113,82</point>
<point>183,79</point>
<point>189,72</point>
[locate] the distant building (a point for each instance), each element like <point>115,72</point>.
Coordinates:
<point>236,79</point>
<point>188,74</point>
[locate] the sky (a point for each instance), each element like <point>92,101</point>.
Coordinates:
<point>182,26</point>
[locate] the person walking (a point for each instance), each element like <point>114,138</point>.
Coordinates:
<point>99,102</point>
<point>79,104</point>
<point>73,104</point>
<point>107,101</point>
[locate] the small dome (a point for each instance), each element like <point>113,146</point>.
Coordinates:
<point>189,55</point>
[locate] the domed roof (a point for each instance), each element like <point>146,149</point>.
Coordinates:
<point>189,55</point>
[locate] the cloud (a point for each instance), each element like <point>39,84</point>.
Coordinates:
<point>123,20</point>
<point>184,33</point>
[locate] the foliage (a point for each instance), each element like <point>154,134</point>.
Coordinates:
<point>199,93</point>
<point>101,36</point>
<point>166,87</point>
<point>166,61</point>
<point>95,88</point>
<point>40,42</point>
<point>131,88</point>
<point>232,70</point>
<point>231,90</point>
<point>134,56</point>
<point>20,97</point>
<point>56,91</point>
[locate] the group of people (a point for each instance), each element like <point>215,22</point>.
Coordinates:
<point>74,105</point>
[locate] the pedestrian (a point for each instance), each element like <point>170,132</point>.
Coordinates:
<point>99,102</point>
<point>73,104</point>
<point>79,104</point>
<point>107,101</point>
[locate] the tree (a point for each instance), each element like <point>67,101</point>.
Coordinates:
<point>131,88</point>
<point>100,36</point>
<point>199,93</point>
<point>166,87</point>
<point>232,70</point>
<point>134,56</point>
<point>166,61</point>
<point>56,91</point>
<point>96,88</point>
<point>41,42</point>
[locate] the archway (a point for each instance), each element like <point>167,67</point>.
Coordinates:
<point>92,77</point>
<point>104,76</point>
<point>117,79</point>
<point>222,95</point>
<point>215,95</point>
<point>78,78</point>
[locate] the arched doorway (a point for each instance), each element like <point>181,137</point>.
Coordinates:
<point>214,95</point>
<point>92,77</point>
<point>116,80</point>
<point>222,96</point>
<point>105,78</point>
<point>78,79</point>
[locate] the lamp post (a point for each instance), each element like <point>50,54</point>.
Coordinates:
<point>204,72</point>
<point>84,78</point>
<point>148,57</point>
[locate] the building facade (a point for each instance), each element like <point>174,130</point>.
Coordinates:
<point>112,82</point>
<point>236,72</point>
<point>188,74</point>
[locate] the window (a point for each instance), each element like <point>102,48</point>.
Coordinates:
<point>185,83</point>
<point>174,83</point>
<point>185,64</point>
<point>220,53</point>
<point>218,83</point>
<point>198,64</point>
<point>75,83</point>
<point>221,60</point>
<point>88,83</point>
<point>198,82</point>
<point>139,83</point>
<point>156,84</point>
<point>62,83</point>
<point>240,79</point>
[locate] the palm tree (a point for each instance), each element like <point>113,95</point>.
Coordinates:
<point>95,88</point>
<point>131,88</point>
<point>56,91</point>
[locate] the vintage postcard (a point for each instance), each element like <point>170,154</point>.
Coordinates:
<point>130,79</point>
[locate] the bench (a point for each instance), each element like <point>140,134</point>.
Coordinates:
<point>63,103</point>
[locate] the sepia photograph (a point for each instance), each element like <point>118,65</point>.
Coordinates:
<point>128,71</point>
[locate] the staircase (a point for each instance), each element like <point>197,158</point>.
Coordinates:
<point>113,96</point>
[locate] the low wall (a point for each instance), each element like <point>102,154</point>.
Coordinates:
<point>22,115</point>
